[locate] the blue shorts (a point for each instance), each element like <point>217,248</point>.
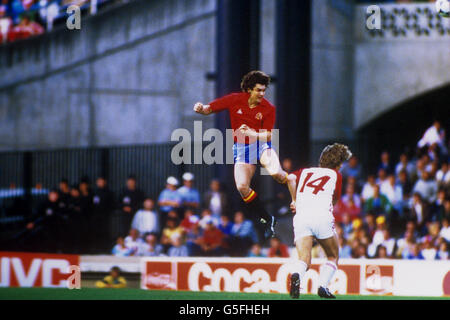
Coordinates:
<point>249,153</point>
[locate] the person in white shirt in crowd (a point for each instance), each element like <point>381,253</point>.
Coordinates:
<point>206,217</point>
<point>433,135</point>
<point>120,249</point>
<point>405,164</point>
<point>428,250</point>
<point>442,253</point>
<point>178,248</point>
<point>368,188</point>
<point>133,241</point>
<point>382,176</point>
<point>215,200</point>
<point>393,192</point>
<point>151,247</point>
<point>146,220</point>
<point>427,187</point>
<point>405,245</point>
<point>445,230</point>
<point>443,175</point>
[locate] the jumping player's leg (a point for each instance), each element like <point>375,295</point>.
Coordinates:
<point>329,268</point>
<point>304,247</point>
<point>270,161</point>
<point>243,174</point>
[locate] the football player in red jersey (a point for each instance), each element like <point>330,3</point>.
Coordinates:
<point>252,120</point>
<point>316,192</point>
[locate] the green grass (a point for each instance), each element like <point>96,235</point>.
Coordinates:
<point>137,294</point>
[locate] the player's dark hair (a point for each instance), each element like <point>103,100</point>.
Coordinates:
<point>334,155</point>
<point>251,79</point>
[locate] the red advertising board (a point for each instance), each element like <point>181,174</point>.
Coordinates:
<point>19,269</point>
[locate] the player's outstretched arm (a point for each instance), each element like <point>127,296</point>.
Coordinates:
<point>202,109</point>
<point>292,186</point>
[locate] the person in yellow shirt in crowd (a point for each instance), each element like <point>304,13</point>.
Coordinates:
<point>113,280</point>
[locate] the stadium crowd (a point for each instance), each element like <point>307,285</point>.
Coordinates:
<point>21,19</point>
<point>400,211</point>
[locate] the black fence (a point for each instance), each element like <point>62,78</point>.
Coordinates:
<point>26,177</point>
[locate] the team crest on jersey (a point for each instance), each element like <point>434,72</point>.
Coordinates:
<point>259,116</point>
<point>239,111</point>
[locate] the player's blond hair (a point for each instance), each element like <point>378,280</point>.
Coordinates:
<point>334,155</point>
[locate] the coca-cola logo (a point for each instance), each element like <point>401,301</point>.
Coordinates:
<point>157,280</point>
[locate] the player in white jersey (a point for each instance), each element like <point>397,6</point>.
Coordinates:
<point>317,190</point>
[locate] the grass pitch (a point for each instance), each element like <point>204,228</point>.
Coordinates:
<point>138,294</point>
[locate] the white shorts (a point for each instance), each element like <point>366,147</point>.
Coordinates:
<point>318,227</point>
<point>249,153</point>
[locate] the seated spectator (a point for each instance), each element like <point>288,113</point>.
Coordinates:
<point>443,176</point>
<point>215,200</point>
<point>427,187</point>
<point>345,251</point>
<point>211,243</point>
<point>151,247</point>
<point>385,164</point>
<point>206,217</point>
<point>146,219</point>
<point>133,241</point>
<point>445,230</point>
<point>193,240</point>
<point>178,248</point>
<point>277,249</point>
<point>404,165</point>
<point>378,204</point>
<point>169,199</point>
<point>393,192</point>
<point>434,135</point>
<point>387,242</point>
<point>368,188</point>
<point>347,224</point>
<point>166,244</point>
<point>370,224</point>
<point>256,251</point>
<point>352,168</point>
<point>120,249</point>
<point>190,219</point>
<point>190,197</point>
<point>428,251</point>
<point>405,245</point>
<point>443,252</point>
<point>349,204</point>
<point>243,235</point>
<point>25,29</point>
<point>418,212</point>
<point>404,182</point>
<point>381,252</point>
<point>172,229</point>
<point>416,253</point>
<point>113,280</point>
<point>225,225</point>
<point>437,208</point>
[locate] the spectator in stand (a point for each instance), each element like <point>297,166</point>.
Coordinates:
<point>225,225</point>
<point>25,29</point>
<point>393,192</point>
<point>130,200</point>
<point>190,197</point>
<point>345,251</point>
<point>352,168</point>
<point>381,252</point>
<point>172,229</point>
<point>189,221</point>
<point>404,165</point>
<point>434,135</point>
<point>382,176</point>
<point>102,207</point>
<point>47,227</point>
<point>193,240</point>
<point>445,230</point>
<point>416,253</point>
<point>243,235</point>
<point>378,204</point>
<point>419,212</point>
<point>211,243</point>
<point>256,251</point>
<point>151,247</point>
<point>347,224</point>
<point>385,240</point>
<point>405,245</point>
<point>385,163</point>
<point>443,176</point>
<point>64,192</point>
<point>166,244</point>
<point>437,208</point>
<point>215,200</point>
<point>206,217</point>
<point>350,204</point>
<point>120,249</point>
<point>370,224</point>
<point>277,249</point>
<point>169,199</point>
<point>426,187</point>
<point>178,248</point>
<point>78,223</point>
<point>146,219</point>
<point>443,252</point>
<point>428,250</point>
<point>368,188</point>
<point>6,22</point>
<point>133,241</point>
<point>114,280</point>
<point>404,182</point>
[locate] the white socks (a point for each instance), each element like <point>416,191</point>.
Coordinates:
<point>301,268</point>
<point>327,272</point>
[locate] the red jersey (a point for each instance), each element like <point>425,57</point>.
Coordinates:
<point>261,117</point>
